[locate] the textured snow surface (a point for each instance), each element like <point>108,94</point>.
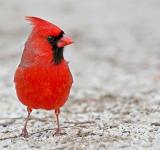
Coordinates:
<point>115,99</point>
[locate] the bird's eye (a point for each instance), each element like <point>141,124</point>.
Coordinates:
<point>50,38</point>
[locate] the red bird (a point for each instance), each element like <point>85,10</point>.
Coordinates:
<point>43,79</point>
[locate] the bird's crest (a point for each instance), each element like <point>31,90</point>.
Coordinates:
<point>38,22</point>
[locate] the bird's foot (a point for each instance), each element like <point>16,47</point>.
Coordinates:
<point>24,133</point>
<point>59,133</point>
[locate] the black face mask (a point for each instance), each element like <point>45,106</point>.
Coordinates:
<point>57,52</point>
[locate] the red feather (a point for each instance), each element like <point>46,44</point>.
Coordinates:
<point>40,83</point>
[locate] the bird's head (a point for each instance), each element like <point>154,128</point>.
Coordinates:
<point>47,40</point>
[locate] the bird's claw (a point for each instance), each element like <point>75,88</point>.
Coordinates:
<point>24,133</point>
<point>59,133</point>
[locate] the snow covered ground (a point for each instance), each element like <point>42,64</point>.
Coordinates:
<point>115,100</point>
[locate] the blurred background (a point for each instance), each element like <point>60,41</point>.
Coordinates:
<point>114,61</point>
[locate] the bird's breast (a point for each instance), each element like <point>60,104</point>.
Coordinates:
<point>45,87</point>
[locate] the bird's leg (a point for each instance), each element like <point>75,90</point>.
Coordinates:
<point>24,130</point>
<point>58,130</point>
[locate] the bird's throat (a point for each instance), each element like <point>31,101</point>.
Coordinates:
<point>57,54</point>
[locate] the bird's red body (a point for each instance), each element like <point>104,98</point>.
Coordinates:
<point>43,79</point>
<point>45,87</point>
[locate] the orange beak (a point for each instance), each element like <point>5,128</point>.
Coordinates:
<point>65,40</point>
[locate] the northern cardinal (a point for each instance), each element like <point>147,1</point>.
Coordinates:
<point>43,79</point>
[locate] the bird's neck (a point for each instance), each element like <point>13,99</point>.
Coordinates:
<point>41,55</point>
